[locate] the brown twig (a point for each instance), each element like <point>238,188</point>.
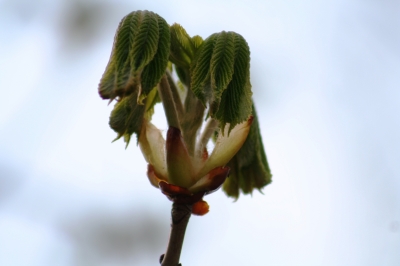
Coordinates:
<point>180,215</point>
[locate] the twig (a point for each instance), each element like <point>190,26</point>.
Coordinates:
<point>180,215</point>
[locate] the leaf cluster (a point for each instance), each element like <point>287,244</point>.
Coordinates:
<point>139,56</point>
<point>221,77</point>
<point>214,79</point>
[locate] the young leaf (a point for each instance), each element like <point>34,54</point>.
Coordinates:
<point>249,167</point>
<point>182,47</point>
<point>222,63</point>
<point>127,117</point>
<point>197,42</point>
<point>183,75</point>
<point>152,99</point>
<point>153,72</point>
<point>145,43</point>
<point>139,56</point>
<point>220,76</point>
<point>236,104</point>
<point>200,70</point>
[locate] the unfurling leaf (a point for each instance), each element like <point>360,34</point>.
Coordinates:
<point>222,63</point>
<point>197,41</point>
<point>152,99</point>
<point>236,104</point>
<point>183,47</point>
<point>249,167</point>
<point>200,70</point>
<point>153,72</point>
<point>220,77</point>
<point>127,117</point>
<point>139,56</point>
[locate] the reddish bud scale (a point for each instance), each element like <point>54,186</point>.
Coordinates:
<point>212,181</point>
<point>152,175</point>
<point>218,178</point>
<point>179,194</point>
<point>200,208</point>
<point>204,155</point>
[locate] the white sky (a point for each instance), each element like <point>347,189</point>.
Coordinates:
<point>326,79</point>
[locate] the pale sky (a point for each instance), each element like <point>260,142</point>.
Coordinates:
<point>326,79</point>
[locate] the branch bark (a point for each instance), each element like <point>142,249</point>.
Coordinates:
<point>180,215</point>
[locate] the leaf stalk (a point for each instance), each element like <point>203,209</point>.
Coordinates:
<point>167,99</point>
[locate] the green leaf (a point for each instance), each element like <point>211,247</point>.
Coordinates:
<point>220,76</point>
<point>236,104</point>
<point>183,75</point>
<point>197,42</point>
<point>152,99</point>
<point>139,56</point>
<point>145,43</point>
<point>127,117</point>
<point>200,70</point>
<point>249,167</point>
<point>182,46</point>
<point>222,63</point>
<point>153,72</point>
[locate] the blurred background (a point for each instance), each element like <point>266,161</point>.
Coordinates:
<point>326,82</point>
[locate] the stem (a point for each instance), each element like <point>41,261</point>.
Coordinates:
<point>167,99</point>
<point>194,113</point>
<point>175,95</point>
<point>180,215</point>
<point>209,129</point>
